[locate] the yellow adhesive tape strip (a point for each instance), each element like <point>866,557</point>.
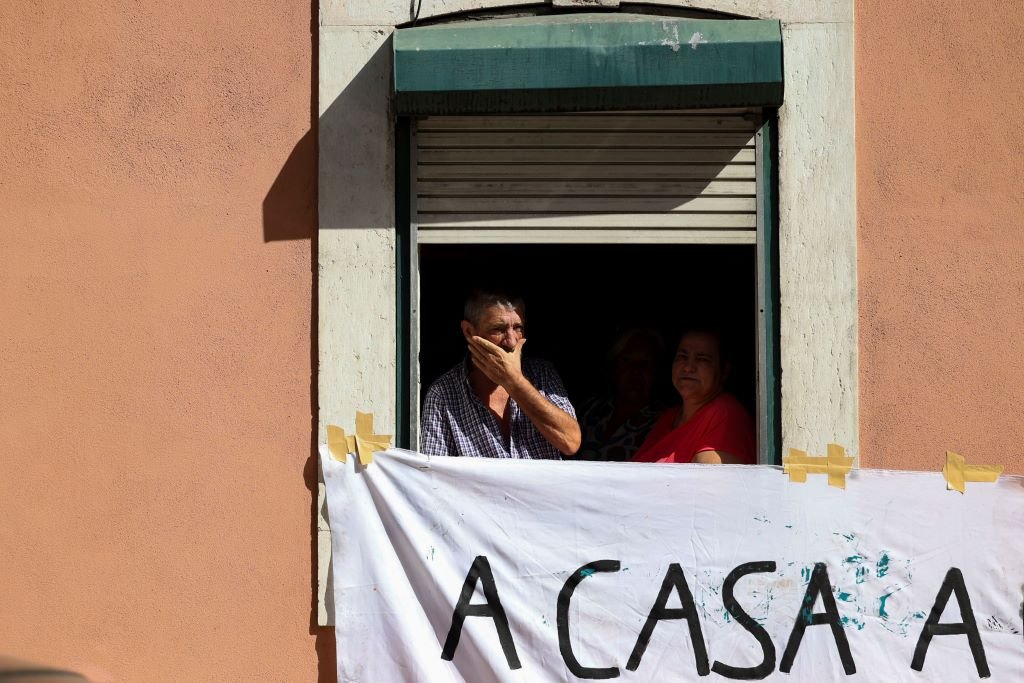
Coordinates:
<point>339,444</point>
<point>957,472</point>
<point>792,465</point>
<point>836,465</point>
<point>366,442</point>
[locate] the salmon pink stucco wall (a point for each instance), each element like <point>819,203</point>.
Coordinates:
<point>940,168</point>
<point>157,213</point>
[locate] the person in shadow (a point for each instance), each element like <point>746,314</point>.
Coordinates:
<point>615,425</point>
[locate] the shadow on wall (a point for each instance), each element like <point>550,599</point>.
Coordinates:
<point>361,128</point>
<point>289,209</point>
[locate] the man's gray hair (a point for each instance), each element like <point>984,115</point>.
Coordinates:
<point>480,300</point>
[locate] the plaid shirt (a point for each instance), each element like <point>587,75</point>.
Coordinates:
<point>456,422</point>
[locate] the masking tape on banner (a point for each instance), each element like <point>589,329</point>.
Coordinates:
<point>798,464</point>
<point>339,444</point>
<point>368,443</point>
<point>364,443</point>
<point>957,472</point>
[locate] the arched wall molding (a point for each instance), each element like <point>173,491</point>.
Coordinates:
<point>671,9</point>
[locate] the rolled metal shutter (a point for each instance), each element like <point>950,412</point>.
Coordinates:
<point>647,177</point>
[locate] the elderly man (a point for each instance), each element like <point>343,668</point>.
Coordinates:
<point>496,403</point>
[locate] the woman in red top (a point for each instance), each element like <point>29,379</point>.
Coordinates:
<point>711,426</point>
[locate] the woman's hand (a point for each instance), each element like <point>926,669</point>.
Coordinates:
<point>716,458</point>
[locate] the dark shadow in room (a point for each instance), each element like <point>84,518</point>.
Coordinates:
<point>579,298</point>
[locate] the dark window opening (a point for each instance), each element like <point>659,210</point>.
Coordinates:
<point>579,298</point>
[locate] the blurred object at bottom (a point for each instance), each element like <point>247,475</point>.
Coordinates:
<point>19,671</point>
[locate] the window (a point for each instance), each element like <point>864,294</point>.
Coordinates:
<point>603,222</point>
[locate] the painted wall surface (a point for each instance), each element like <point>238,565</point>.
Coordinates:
<point>940,204</point>
<point>157,218</point>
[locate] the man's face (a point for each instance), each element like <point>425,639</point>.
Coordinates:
<point>497,325</point>
<point>697,372</point>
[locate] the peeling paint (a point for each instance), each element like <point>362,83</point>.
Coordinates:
<point>672,40</point>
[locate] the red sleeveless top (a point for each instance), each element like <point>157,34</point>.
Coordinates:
<point>722,425</point>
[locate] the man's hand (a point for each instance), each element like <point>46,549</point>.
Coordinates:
<point>502,367</point>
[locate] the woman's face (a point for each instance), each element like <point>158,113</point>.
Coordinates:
<point>697,371</point>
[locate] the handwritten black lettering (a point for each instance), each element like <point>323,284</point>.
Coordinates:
<point>953,584</point>
<point>674,580</point>
<point>481,571</point>
<point>767,665</point>
<point>818,586</point>
<point>564,599</point>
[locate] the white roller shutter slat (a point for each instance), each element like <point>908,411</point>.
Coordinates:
<point>587,205</point>
<point>604,236</point>
<point>686,177</point>
<point>589,122</point>
<point>583,188</point>
<point>593,221</point>
<point>535,139</point>
<point>739,155</point>
<point>585,171</point>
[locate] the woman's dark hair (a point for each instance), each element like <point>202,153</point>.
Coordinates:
<point>716,330</point>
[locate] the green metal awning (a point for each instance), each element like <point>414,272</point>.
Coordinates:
<point>582,62</point>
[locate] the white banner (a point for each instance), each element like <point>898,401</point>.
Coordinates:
<point>477,570</point>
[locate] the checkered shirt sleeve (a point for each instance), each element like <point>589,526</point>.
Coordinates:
<point>456,422</point>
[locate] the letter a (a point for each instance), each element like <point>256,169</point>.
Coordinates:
<point>819,585</point>
<point>953,584</point>
<point>481,570</point>
<point>673,579</point>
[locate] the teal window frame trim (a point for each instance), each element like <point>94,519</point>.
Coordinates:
<point>587,62</point>
<point>405,253</point>
<point>769,418</point>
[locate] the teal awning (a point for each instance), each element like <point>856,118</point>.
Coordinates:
<point>580,62</point>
